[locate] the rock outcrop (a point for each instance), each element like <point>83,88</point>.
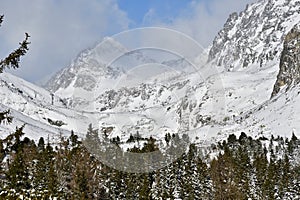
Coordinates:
<point>289,72</point>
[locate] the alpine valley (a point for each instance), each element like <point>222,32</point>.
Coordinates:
<point>236,104</point>
<point>254,89</point>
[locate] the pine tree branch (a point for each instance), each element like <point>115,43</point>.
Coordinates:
<point>13,59</point>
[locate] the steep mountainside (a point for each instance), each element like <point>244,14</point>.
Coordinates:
<point>43,113</point>
<point>289,73</point>
<point>255,35</point>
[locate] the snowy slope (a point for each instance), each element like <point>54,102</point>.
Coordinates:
<point>32,106</point>
<point>248,51</point>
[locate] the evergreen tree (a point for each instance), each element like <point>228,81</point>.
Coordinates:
<point>260,165</point>
<point>224,176</point>
<point>13,59</point>
<point>41,144</point>
<point>271,177</point>
<point>285,178</point>
<point>243,171</point>
<point>189,177</point>
<point>203,183</point>
<point>18,174</point>
<point>294,189</point>
<point>44,175</point>
<point>146,184</point>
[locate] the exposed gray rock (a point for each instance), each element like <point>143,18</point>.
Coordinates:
<point>289,72</point>
<point>255,35</point>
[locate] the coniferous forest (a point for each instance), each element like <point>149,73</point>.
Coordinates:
<point>238,168</point>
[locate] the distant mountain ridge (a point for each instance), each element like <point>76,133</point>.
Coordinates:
<point>89,63</point>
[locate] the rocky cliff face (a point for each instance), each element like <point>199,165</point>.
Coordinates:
<point>289,73</point>
<point>254,36</point>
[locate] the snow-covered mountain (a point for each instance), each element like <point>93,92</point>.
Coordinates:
<point>261,44</point>
<point>248,62</point>
<point>43,113</point>
<point>254,36</point>
<point>102,68</point>
<point>87,68</point>
<point>30,105</point>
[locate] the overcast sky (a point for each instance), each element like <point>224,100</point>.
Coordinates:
<point>60,29</point>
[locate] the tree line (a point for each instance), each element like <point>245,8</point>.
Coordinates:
<point>238,168</point>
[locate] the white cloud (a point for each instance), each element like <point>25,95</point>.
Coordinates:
<point>58,29</point>
<point>203,19</point>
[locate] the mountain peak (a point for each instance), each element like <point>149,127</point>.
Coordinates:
<point>255,36</point>
<point>108,49</point>
<point>90,65</point>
